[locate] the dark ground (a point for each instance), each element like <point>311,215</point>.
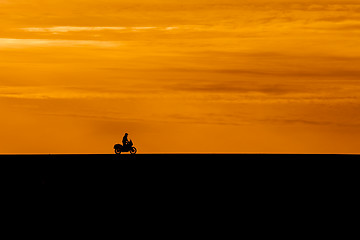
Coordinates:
<point>207,193</point>
<point>166,172</point>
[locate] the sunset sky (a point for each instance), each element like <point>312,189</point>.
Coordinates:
<point>180,76</point>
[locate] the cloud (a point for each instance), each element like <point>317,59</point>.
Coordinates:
<point>66,29</point>
<point>19,43</point>
<point>236,87</point>
<point>73,92</point>
<point>102,117</point>
<point>320,72</point>
<point>281,118</point>
<point>44,92</point>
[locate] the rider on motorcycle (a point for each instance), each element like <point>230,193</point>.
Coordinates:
<point>125,140</point>
<point>126,147</point>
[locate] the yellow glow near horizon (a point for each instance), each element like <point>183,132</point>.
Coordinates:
<point>180,76</point>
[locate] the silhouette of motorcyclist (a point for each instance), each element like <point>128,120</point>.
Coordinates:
<point>127,146</point>
<point>125,140</point>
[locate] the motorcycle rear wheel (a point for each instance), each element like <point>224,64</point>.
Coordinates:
<point>117,151</point>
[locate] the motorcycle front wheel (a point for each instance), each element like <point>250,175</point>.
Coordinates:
<point>133,150</point>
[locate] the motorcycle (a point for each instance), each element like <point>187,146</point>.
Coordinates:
<point>127,148</point>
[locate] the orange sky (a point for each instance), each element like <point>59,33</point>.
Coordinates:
<point>180,76</point>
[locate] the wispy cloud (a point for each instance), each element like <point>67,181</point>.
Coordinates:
<point>18,43</point>
<point>51,93</point>
<point>65,29</point>
<point>70,92</point>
